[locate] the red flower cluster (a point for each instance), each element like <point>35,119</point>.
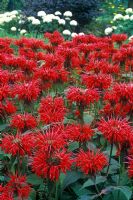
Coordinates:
<point>39,83</point>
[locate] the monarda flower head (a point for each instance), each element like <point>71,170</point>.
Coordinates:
<point>77,132</point>
<point>50,165</point>
<point>119,38</point>
<point>23,121</point>
<point>83,96</point>
<point>52,110</point>
<point>27,91</point>
<point>90,162</point>
<point>115,130</point>
<point>21,144</point>
<point>18,186</point>
<point>99,81</point>
<point>52,140</point>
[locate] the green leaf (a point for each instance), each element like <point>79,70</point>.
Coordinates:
<point>119,193</point>
<point>34,179</point>
<point>90,182</point>
<point>122,193</point>
<point>87,118</point>
<point>32,195</point>
<point>84,197</point>
<point>3,127</point>
<point>70,178</point>
<point>73,146</point>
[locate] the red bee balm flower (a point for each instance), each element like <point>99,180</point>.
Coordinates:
<point>50,165</point>
<point>84,96</point>
<point>91,162</point>
<point>18,186</point>
<point>79,133</point>
<point>26,121</point>
<point>19,144</point>
<point>52,110</point>
<point>115,130</point>
<point>51,140</point>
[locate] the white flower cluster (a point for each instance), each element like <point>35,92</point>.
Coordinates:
<point>68,33</point>
<point>8,16</point>
<point>47,18</point>
<point>63,20</point>
<point>128,16</point>
<point>119,20</point>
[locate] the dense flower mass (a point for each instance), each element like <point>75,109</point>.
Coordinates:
<point>65,108</point>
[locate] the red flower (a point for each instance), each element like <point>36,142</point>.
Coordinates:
<point>27,91</point>
<point>55,38</point>
<point>115,130</point>
<point>18,185</point>
<point>119,37</point>
<point>100,81</point>
<point>9,107</point>
<point>50,165</point>
<point>77,132</point>
<point>18,144</point>
<point>90,162</point>
<point>4,92</point>
<point>26,121</point>
<point>83,96</point>
<point>52,140</point>
<point>52,110</point>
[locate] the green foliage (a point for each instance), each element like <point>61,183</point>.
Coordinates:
<point>108,10</point>
<point>3,5</point>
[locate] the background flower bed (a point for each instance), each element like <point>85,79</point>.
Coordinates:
<point>66,118</point>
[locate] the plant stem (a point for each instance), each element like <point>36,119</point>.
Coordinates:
<point>111,150</point>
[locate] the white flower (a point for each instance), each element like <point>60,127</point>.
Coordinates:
<point>74,34</point>
<point>81,34</point>
<point>1,21</point>
<point>131,17</point>
<point>56,18</point>
<point>23,31</point>
<point>13,16</point>
<point>126,17</point>
<point>57,13</point>
<point>31,18</point>
<point>62,21</point>
<point>7,19</point>
<point>118,16</point>
<point>41,14</point>
<point>130,38</point>
<point>36,22</point>
<point>68,14</point>
<point>13,28</point>
<point>108,30</point>
<point>14,12</point>
<point>129,10</point>
<point>67,18</point>
<point>73,23</point>
<point>66,32</point>
<point>21,21</point>
<point>114,27</point>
